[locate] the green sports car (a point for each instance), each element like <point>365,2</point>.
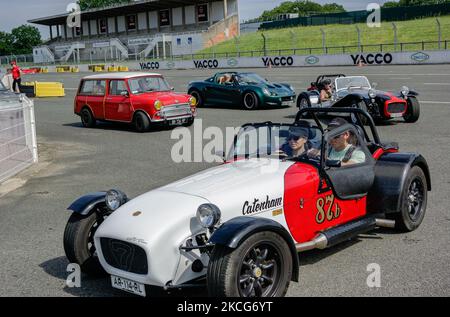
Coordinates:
<point>247,89</point>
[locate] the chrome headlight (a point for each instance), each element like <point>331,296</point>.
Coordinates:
<point>372,94</point>
<point>266,91</point>
<point>192,101</point>
<point>291,88</point>
<point>208,215</point>
<point>405,91</point>
<point>114,199</point>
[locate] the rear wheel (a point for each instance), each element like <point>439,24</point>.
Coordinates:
<point>87,118</point>
<point>260,267</point>
<point>413,201</point>
<point>250,101</point>
<point>198,97</point>
<point>79,242</point>
<point>141,122</point>
<point>413,111</point>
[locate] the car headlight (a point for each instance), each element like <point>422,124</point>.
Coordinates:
<point>372,94</point>
<point>266,92</point>
<point>291,88</point>
<point>114,199</point>
<point>405,91</point>
<point>193,101</point>
<point>208,215</point>
<point>158,105</point>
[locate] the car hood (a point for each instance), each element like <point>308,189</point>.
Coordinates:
<point>277,88</point>
<point>166,97</point>
<point>231,186</point>
<point>363,92</point>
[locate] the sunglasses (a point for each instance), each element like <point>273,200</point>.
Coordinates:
<point>295,138</point>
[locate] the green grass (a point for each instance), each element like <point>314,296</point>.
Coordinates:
<point>337,35</point>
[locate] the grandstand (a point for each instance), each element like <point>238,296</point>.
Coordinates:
<point>138,30</point>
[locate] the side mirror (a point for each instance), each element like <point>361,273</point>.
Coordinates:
<point>374,85</point>
<point>125,94</point>
<point>172,88</point>
<point>333,163</point>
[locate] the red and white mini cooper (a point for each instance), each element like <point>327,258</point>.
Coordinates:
<point>139,98</point>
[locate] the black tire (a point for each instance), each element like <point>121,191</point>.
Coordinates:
<point>361,105</point>
<point>413,111</point>
<point>141,122</point>
<point>302,103</point>
<point>79,244</point>
<point>87,118</point>
<point>230,271</point>
<point>198,97</point>
<point>413,201</point>
<point>250,101</point>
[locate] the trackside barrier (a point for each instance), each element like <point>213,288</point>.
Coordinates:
<point>123,68</point>
<point>113,69</point>
<point>43,89</point>
<point>97,67</point>
<point>18,145</point>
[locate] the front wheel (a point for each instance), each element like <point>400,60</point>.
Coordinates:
<point>412,111</point>
<point>260,267</point>
<point>250,101</point>
<point>303,102</point>
<point>79,242</point>
<point>413,201</point>
<point>141,122</point>
<point>198,98</point>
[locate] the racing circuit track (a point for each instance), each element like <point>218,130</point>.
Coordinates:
<point>75,161</point>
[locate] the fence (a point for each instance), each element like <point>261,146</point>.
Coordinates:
<point>387,14</point>
<point>22,59</point>
<point>18,146</point>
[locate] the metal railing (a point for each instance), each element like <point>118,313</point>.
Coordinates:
<point>18,146</point>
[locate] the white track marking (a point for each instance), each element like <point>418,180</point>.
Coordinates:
<point>436,102</point>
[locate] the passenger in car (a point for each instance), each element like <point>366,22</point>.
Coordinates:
<point>344,147</point>
<point>297,142</point>
<point>326,91</point>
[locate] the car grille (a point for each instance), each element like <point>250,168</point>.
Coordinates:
<point>176,111</point>
<point>396,107</point>
<point>124,256</point>
<point>287,98</point>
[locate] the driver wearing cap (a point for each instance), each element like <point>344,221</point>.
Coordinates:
<point>344,146</point>
<point>297,142</point>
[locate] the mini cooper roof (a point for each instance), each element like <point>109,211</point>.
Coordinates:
<point>125,75</point>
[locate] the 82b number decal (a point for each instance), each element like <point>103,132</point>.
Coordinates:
<point>327,209</point>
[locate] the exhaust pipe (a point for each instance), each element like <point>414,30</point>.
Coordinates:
<point>344,232</point>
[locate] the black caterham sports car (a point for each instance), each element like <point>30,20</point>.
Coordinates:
<point>356,91</point>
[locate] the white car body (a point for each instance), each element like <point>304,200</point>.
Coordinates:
<point>167,216</point>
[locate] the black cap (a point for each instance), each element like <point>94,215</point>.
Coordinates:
<point>326,82</point>
<point>336,123</point>
<point>299,132</point>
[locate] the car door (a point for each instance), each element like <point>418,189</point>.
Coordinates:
<point>118,103</point>
<point>94,90</point>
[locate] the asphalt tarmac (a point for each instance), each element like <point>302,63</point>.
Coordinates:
<point>75,161</point>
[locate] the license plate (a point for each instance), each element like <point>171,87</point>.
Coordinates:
<point>177,122</point>
<point>396,115</point>
<point>128,286</point>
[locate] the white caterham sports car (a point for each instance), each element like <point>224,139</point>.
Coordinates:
<point>239,226</point>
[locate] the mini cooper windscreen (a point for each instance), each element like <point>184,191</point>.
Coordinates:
<point>276,140</point>
<point>148,84</point>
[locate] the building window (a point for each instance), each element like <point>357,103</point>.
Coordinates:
<point>190,40</point>
<point>202,12</point>
<point>78,31</point>
<point>178,42</point>
<point>131,22</point>
<point>103,25</point>
<point>164,17</point>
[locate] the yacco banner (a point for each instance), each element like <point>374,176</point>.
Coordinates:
<point>408,58</point>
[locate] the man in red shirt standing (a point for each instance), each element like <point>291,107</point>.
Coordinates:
<point>17,81</point>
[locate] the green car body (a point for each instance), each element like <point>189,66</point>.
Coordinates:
<point>247,89</point>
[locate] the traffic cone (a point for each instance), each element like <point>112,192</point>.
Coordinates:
<point>360,64</point>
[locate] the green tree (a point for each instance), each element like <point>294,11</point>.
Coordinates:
<point>6,44</point>
<point>90,4</point>
<point>24,38</point>
<point>302,7</point>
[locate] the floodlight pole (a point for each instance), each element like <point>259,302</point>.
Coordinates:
<point>264,44</point>
<point>394,27</point>
<point>323,41</point>
<point>439,33</point>
<point>359,38</point>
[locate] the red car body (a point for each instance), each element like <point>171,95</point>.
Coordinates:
<point>110,97</point>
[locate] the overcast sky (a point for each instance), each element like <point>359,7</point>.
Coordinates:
<point>16,12</point>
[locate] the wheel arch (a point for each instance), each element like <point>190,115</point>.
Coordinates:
<point>140,111</point>
<point>235,231</point>
<point>87,204</point>
<point>391,171</point>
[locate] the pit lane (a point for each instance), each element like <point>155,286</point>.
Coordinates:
<point>75,161</point>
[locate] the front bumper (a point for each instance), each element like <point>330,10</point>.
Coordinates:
<point>174,113</point>
<point>287,100</point>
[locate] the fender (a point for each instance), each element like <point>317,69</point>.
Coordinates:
<point>348,100</point>
<point>86,204</point>
<point>390,175</point>
<point>234,232</point>
<point>413,93</point>
<point>309,94</point>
